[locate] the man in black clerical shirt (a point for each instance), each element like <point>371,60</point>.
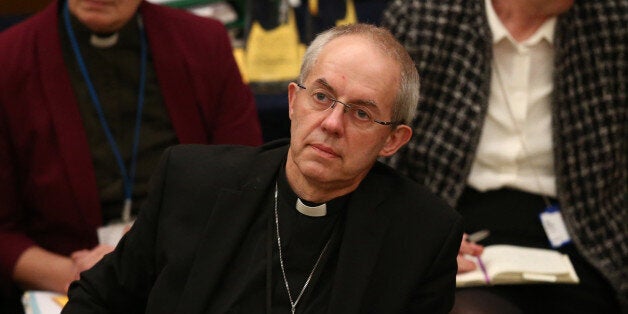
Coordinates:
<point>313,225</point>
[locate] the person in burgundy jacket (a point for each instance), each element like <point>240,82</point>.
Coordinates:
<point>91,93</point>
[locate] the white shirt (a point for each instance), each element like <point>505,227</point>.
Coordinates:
<point>515,148</point>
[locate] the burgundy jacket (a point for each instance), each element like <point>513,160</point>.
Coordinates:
<point>48,191</point>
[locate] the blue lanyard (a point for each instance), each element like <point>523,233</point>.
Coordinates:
<point>127,176</point>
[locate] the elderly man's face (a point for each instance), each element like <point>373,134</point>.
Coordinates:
<point>103,16</point>
<point>327,148</point>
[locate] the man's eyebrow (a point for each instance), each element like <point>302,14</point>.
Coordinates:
<point>360,102</point>
<point>366,103</point>
<point>323,82</point>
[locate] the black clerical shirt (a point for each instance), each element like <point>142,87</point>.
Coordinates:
<point>302,239</point>
<point>115,73</point>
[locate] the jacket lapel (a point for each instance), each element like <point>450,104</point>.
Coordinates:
<point>366,224</point>
<point>230,219</point>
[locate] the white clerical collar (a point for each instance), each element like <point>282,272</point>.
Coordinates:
<point>104,41</point>
<point>312,211</point>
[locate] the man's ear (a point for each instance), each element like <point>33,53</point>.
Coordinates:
<point>397,138</point>
<point>292,90</point>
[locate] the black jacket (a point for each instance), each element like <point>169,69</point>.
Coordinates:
<point>397,253</point>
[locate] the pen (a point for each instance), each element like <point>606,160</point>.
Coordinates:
<point>478,236</point>
<point>483,268</point>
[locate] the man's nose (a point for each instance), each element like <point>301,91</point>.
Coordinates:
<point>334,121</point>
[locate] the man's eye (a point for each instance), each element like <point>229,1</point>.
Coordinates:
<point>362,114</point>
<point>321,97</point>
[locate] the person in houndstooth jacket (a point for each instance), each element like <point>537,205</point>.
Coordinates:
<point>574,149</point>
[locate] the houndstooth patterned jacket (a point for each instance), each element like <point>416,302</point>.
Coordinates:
<point>450,42</point>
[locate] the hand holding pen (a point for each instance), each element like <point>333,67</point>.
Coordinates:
<point>470,247</point>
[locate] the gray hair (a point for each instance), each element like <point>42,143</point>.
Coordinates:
<point>407,98</point>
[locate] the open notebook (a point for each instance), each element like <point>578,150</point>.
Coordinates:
<point>43,302</point>
<point>508,264</point>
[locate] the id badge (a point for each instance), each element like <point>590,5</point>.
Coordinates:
<point>112,233</point>
<point>554,226</point>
